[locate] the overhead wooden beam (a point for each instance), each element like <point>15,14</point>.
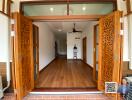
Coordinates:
<point>64,1</point>
<point>70,17</point>
<point>50,2</point>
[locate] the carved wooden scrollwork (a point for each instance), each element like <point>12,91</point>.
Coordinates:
<point>109,49</point>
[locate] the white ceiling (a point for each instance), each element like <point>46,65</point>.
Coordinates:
<point>61,27</point>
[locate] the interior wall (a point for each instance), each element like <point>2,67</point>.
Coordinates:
<point>61,44</point>
<point>15,6</point>
<point>74,39</point>
<point>46,45</point>
<point>127,45</point>
<point>4,32</point>
<point>4,48</point>
<point>130,41</point>
<point>88,32</point>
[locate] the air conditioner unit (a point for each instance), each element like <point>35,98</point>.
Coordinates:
<point>1,88</point>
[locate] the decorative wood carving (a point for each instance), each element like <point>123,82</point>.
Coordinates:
<point>109,49</point>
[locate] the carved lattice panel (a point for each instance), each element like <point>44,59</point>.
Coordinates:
<point>109,49</point>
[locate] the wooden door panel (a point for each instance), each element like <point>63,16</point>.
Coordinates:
<point>95,52</point>
<point>23,55</point>
<point>36,52</point>
<point>109,49</point>
<point>85,49</point>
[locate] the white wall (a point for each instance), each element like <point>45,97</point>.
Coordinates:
<point>127,47</point>
<point>46,45</point>
<point>15,6</point>
<point>88,32</point>
<point>71,41</point>
<point>130,40</point>
<point>1,5</point>
<point>4,38</point>
<point>61,44</point>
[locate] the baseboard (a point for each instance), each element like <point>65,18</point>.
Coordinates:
<point>74,59</point>
<point>87,64</point>
<point>46,66</point>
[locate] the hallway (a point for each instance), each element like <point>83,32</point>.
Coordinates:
<point>63,73</point>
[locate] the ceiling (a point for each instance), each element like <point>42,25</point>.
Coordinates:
<point>61,27</point>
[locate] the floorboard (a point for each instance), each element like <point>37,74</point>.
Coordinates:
<point>63,73</point>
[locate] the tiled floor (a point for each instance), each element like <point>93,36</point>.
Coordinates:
<point>61,97</point>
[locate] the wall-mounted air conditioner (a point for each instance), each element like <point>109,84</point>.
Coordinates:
<point>1,88</point>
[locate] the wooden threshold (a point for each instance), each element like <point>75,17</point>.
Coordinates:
<point>64,89</point>
<point>70,17</point>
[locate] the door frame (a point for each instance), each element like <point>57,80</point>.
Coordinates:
<point>36,46</point>
<point>94,51</point>
<point>71,18</point>
<point>84,40</point>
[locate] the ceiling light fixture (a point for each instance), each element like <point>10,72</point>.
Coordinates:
<point>51,9</point>
<point>59,30</point>
<point>83,8</point>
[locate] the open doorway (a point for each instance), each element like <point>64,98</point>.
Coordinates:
<point>24,51</point>
<point>58,66</point>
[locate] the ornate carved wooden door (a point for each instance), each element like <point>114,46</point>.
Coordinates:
<point>23,55</point>
<point>109,49</point>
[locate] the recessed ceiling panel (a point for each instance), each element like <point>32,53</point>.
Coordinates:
<point>45,10</point>
<point>74,9</point>
<point>91,8</point>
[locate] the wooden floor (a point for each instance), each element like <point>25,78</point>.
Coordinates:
<point>62,73</point>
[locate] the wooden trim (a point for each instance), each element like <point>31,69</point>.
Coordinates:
<point>13,59</point>
<point>128,5</point>
<point>13,64</point>
<point>3,6</point>
<point>121,53</point>
<point>94,53</point>
<point>4,14</point>
<point>114,6</point>
<point>65,1</point>
<point>86,63</point>
<point>84,49</point>
<point>36,47</point>
<point>9,7</point>
<point>21,8</point>
<point>121,58</point>
<point>17,71</point>
<point>38,2</point>
<point>128,14</point>
<point>65,89</point>
<point>70,17</point>
<point>46,66</point>
<point>48,2</point>
<point>8,4</point>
